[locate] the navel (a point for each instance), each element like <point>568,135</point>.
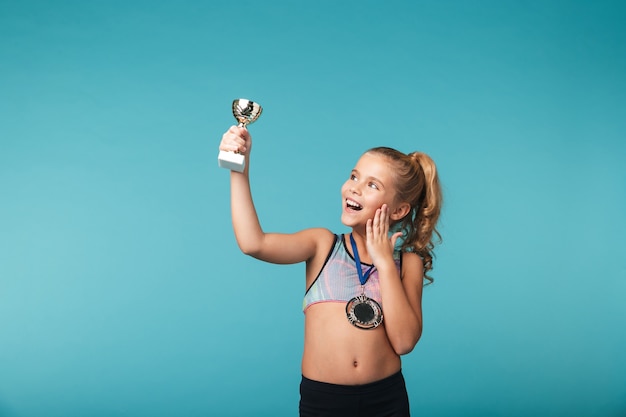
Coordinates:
<point>355,364</point>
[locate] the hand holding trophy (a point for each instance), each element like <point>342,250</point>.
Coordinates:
<point>246,112</point>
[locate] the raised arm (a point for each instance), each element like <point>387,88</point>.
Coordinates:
<point>252,240</point>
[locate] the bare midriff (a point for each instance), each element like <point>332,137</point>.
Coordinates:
<point>337,352</point>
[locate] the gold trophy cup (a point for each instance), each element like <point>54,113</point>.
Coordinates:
<point>246,112</point>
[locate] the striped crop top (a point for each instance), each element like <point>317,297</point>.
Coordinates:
<point>338,281</point>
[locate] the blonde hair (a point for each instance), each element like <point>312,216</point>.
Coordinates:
<point>417,183</point>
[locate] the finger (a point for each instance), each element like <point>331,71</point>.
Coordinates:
<point>230,138</point>
<point>232,143</point>
<point>230,148</point>
<point>383,221</point>
<point>234,130</point>
<point>240,131</point>
<point>385,214</point>
<point>244,133</point>
<point>376,221</point>
<point>394,238</point>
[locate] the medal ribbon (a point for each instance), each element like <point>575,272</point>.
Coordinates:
<point>359,269</point>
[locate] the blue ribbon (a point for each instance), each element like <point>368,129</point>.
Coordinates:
<point>359,269</point>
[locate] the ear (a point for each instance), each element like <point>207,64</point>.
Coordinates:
<point>400,211</point>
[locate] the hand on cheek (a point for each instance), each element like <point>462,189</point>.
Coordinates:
<point>378,241</point>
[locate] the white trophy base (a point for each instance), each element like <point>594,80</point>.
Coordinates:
<point>231,160</point>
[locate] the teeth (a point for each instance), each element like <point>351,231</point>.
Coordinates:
<point>353,204</point>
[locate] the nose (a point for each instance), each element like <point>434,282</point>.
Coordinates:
<point>355,189</point>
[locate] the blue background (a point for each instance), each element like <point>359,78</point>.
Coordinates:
<point>122,291</point>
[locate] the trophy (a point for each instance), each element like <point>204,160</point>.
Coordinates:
<point>246,112</point>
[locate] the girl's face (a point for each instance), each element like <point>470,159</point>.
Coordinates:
<point>369,186</point>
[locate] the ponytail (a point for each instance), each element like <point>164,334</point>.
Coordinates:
<point>424,222</point>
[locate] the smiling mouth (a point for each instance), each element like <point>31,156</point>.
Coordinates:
<point>353,205</point>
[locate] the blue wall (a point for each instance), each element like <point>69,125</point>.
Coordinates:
<point>122,291</point>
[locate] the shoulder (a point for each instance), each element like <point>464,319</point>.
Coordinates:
<point>322,239</point>
<point>412,267</point>
<point>317,234</point>
<point>325,239</point>
<point>320,231</point>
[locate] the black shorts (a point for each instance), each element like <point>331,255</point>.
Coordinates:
<point>384,398</point>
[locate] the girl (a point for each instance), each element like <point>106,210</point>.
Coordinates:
<point>363,297</point>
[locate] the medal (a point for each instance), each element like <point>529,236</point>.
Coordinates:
<point>362,311</point>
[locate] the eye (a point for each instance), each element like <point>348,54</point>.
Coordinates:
<point>373,185</point>
<point>353,177</point>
